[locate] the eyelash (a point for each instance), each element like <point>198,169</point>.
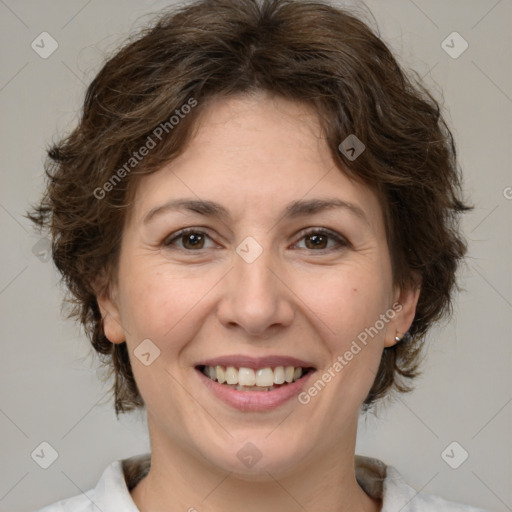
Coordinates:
<point>341,241</point>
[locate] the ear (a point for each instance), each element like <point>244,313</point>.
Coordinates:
<point>107,299</point>
<point>406,300</point>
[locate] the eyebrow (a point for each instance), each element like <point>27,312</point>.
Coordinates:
<point>293,210</point>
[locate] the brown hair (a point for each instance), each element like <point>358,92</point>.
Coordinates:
<point>306,51</point>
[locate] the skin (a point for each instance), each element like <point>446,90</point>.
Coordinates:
<point>253,154</point>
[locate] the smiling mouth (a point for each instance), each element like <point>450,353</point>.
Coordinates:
<point>249,379</point>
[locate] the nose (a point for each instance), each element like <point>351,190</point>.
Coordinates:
<point>256,296</point>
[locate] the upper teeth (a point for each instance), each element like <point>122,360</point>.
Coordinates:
<point>263,377</point>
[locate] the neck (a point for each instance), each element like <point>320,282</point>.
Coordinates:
<point>180,481</point>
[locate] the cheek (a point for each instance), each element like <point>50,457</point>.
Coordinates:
<point>348,300</point>
<point>158,302</point>
<point>348,311</point>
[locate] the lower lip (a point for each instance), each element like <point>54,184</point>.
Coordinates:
<point>254,401</point>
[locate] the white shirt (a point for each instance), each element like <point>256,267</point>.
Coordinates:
<point>112,493</point>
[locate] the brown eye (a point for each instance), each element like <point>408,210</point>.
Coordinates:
<point>317,240</point>
<point>191,239</point>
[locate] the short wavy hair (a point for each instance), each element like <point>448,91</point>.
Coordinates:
<point>306,51</point>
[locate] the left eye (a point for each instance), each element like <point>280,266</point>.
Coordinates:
<point>192,239</point>
<point>319,238</point>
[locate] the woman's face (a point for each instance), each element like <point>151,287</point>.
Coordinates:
<point>255,287</point>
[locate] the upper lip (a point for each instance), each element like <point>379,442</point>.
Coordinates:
<point>242,361</point>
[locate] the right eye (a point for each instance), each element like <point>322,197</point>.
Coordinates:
<point>191,240</point>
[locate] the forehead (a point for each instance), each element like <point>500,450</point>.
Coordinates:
<point>254,154</point>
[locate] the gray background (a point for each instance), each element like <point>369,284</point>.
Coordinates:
<point>49,387</point>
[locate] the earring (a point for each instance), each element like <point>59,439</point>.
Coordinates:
<point>397,339</point>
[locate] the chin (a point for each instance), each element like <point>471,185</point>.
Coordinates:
<point>257,460</point>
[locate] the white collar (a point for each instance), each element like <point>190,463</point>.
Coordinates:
<point>112,493</point>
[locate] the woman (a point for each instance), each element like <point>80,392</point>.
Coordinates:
<point>257,219</point>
